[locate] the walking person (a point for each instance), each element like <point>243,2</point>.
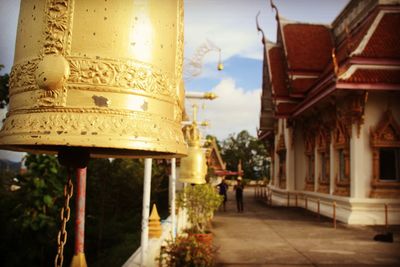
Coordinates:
<point>223,188</point>
<point>239,187</point>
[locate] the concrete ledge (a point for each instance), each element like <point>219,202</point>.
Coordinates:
<point>361,211</point>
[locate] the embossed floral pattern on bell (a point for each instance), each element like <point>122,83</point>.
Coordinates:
<point>103,75</point>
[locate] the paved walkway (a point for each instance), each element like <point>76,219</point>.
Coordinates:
<point>278,236</point>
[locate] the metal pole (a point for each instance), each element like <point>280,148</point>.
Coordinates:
<point>78,259</point>
<point>146,209</point>
<point>334,214</point>
<point>173,187</point>
<point>386,216</point>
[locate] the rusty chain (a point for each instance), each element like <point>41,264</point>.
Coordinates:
<point>65,215</point>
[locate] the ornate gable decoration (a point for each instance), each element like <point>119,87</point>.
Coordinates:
<point>281,144</point>
<point>340,134</point>
<point>387,133</point>
<point>309,143</point>
<point>323,139</point>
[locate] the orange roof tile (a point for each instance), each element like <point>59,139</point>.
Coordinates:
<point>375,76</point>
<point>278,73</point>
<point>308,46</point>
<point>385,41</point>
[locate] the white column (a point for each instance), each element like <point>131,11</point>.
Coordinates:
<point>172,194</point>
<point>146,210</point>
<point>290,159</point>
<point>332,168</point>
<point>360,164</point>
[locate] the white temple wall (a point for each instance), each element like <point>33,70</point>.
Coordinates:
<point>290,166</point>
<point>300,161</point>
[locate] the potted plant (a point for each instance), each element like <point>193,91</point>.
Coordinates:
<point>200,202</point>
<point>185,250</point>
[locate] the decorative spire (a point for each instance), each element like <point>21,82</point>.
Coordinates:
<point>259,28</point>
<point>273,6</point>
<point>155,229</point>
<point>335,63</point>
<point>192,132</point>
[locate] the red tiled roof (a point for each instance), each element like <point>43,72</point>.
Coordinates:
<point>308,46</point>
<point>385,41</point>
<point>278,73</point>
<point>301,85</point>
<point>352,41</point>
<point>375,76</point>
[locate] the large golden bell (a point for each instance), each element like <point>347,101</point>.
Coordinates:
<point>100,75</point>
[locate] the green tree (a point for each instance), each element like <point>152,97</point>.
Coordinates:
<point>3,88</point>
<point>29,217</point>
<point>249,150</point>
<point>31,223</point>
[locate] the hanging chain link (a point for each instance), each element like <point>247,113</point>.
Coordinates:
<point>65,215</point>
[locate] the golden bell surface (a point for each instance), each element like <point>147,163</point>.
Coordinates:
<point>193,167</point>
<point>101,75</point>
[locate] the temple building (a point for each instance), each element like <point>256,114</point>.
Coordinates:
<point>215,163</point>
<point>330,113</point>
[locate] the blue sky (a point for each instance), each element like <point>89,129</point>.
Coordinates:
<point>230,25</point>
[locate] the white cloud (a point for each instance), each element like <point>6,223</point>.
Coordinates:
<point>228,24</point>
<point>233,111</point>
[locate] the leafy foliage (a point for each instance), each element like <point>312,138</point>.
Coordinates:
<point>34,212</point>
<point>3,88</point>
<point>186,251</point>
<point>200,201</point>
<point>29,217</point>
<point>249,150</point>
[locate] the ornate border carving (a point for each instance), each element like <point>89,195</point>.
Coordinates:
<point>105,73</point>
<point>281,151</point>
<point>309,141</point>
<point>323,148</point>
<point>386,134</point>
<point>117,123</point>
<point>130,74</point>
<point>341,141</point>
<point>58,21</point>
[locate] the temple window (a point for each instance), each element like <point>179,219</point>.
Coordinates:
<point>310,158</point>
<point>323,141</point>
<point>341,162</point>
<point>281,151</point>
<point>341,144</point>
<point>389,164</point>
<point>385,144</point>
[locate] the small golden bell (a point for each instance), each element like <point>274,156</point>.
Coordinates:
<point>193,167</point>
<point>220,66</point>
